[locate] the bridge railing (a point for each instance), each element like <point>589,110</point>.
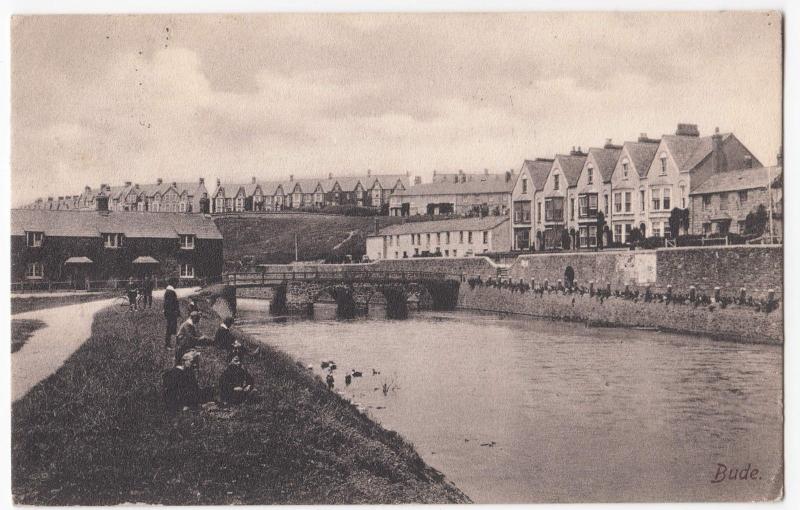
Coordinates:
<point>277,277</point>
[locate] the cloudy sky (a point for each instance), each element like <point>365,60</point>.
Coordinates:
<point>115,98</point>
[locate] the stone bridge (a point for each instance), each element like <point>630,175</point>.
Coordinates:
<point>353,291</point>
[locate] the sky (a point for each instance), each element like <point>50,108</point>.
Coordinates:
<point>108,99</point>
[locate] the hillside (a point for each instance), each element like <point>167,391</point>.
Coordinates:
<point>270,238</point>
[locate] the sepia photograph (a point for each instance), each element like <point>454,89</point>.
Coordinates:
<point>294,258</point>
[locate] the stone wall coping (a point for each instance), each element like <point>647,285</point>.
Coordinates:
<point>584,253</point>
<point>729,247</point>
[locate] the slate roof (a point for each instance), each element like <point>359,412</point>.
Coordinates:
<point>422,227</point>
<point>606,160</point>
<point>571,166</point>
<point>131,224</point>
<point>735,180</point>
<point>641,155</point>
<point>690,151</point>
<point>461,188</point>
<point>539,170</point>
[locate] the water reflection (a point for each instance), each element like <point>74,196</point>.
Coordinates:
<point>536,411</point>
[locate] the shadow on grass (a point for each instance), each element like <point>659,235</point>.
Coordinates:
<point>95,433</point>
<point>22,330</point>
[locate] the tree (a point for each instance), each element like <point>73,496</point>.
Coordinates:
<point>601,224</point>
<point>685,220</point>
<point>675,221</point>
<point>756,221</point>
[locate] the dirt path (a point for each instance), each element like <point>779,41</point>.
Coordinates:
<point>67,327</point>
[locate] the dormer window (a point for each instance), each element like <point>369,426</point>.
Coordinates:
<point>187,242</point>
<point>625,165</point>
<point>34,239</point>
<point>112,240</point>
<point>590,175</point>
<point>663,163</point>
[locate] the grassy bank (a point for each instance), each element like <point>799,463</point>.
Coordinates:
<point>96,433</point>
<point>30,303</point>
<point>22,330</point>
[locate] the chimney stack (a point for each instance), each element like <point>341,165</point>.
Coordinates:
<point>330,175</point>
<point>127,184</point>
<point>202,180</point>
<point>174,184</point>
<point>254,180</point>
<point>718,161</point>
<point>218,182</point>
<point>687,130</point>
<point>159,181</point>
<point>417,180</point>
<point>101,202</point>
<point>369,172</point>
<point>87,189</point>
<point>291,177</point>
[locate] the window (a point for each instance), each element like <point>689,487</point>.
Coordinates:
<point>447,237</point>
<point>617,233</point>
<point>663,163</point>
<point>427,239</point>
<point>683,197</point>
<point>590,175</point>
<point>469,237</point>
<point>485,237</point>
<point>627,201</point>
<point>657,229</point>
<point>641,199</point>
<point>667,230</point>
<point>34,270</point>
<point>461,237</point>
<point>447,253</point>
<point>592,236</point>
<point>554,209</point>
<point>666,204</point>
<point>183,206</point>
<point>743,197</point>
<point>522,212</point>
<point>723,201</point>
<point>555,181</point>
<point>618,202</point>
<point>455,253</point>
<point>187,242</point>
<point>582,240</point>
<point>112,240</point>
<point>187,270</point>
<point>706,228</point>
<point>539,212</point>
<point>397,255</point>
<point>416,251</point>
<point>583,206</point>
<point>605,204</point>
<point>524,185</point>
<point>706,202</point>
<point>655,193</point>
<point>625,168</point>
<point>34,239</point>
<point>628,228</point>
<point>438,238</point>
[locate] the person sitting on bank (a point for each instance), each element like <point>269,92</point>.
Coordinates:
<point>181,390</point>
<point>189,337</point>
<point>171,312</point>
<point>236,383</point>
<point>239,350</point>
<point>192,307</point>
<point>132,292</point>
<point>224,337</point>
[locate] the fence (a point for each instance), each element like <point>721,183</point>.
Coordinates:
<point>98,285</point>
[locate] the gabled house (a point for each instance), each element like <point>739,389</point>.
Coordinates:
<point>559,195</point>
<point>594,193</point>
<point>525,198</point>
<point>629,188</point>
<point>683,162</point>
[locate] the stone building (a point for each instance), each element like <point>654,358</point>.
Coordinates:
<point>559,196</point>
<point>98,245</point>
<point>462,237</point>
<point>491,196</point>
<point>721,204</point>
<point>629,188</point>
<point>594,193</point>
<point>526,202</point>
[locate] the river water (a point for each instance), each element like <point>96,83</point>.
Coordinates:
<point>517,411</point>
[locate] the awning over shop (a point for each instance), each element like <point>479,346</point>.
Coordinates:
<point>78,260</point>
<point>145,260</point>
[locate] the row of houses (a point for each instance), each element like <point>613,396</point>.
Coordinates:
<point>635,186</point>
<point>78,246</point>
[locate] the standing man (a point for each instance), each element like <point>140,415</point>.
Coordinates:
<point>147,289</point>
<point>171,311</point>
<point>132,292</point>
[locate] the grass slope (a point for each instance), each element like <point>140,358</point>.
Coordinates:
<point>95,433</point>
<point>270,239</point>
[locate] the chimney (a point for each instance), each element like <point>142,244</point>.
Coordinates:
<point>103,187</point>
<point>408,173</point>
<point>291,177</point>
<point>87,189</point>
<point>330,176</point>
<point>718,162</point>
<point>508,176</point>
<point>101,202</point>
<point>137,186</point>
<point>218,182</point>
<point>174,184</point>
<point>434,173</point>
<point>417,180</point>
<point>687,130</point>
<point>780,156</point>
<point>159,181</point>
<point>60,199</point>
<point>254,180</point>
<point>202,180</point>
<point>369,172</point>
<point>127,184</point>
<point>485,171</point>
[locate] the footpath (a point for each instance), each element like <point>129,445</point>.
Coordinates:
<point>67,328</point>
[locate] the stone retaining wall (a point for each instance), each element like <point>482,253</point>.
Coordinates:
<point>733,323</point>
<point>469,266</point>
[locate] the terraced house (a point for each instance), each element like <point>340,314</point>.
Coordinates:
<point>629,188</point>
<point>559,196</point>
<point>527,203</point>
<point>490,196</point>
<point>77,246</point>
<point>594,194</point>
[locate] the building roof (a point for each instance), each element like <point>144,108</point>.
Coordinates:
<point>539,169</point>
<point>130,224</point>
<point>571,166</point>
<point>145,259</point>
<point>606,160</point>
<point>78,260</point>
<point>421,227</point>
<point>461,188</point>
<point>735,180</point>
<point>690,151</point>
<point>641,154</point>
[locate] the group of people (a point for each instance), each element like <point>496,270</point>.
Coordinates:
<point>182,390</point>
<point>143,288</point>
